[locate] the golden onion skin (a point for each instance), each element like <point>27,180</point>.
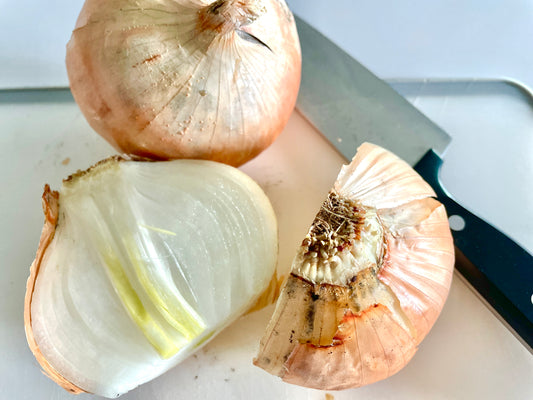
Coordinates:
<point>186,79</point>
<point>367,283</point>
<point>50,200</point>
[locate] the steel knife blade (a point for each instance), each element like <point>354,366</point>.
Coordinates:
<point>349,105</point>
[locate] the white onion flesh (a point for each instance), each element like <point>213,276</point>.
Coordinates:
<point>200,235</point>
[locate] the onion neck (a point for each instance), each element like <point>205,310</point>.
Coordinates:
<point>224,16</point>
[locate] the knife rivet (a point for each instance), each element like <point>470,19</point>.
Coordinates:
<point>457,223</point>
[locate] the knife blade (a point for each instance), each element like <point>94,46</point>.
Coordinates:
<point>349,105</point>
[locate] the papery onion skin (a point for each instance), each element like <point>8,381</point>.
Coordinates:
<point>368,281</point>
<point>186,79</point>
<point>235,194</point>
<point>51,210</point>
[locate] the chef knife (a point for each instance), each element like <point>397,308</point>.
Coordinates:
<point>350,105</point>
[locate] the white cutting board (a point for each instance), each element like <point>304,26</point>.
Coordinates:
<point>468,355</point>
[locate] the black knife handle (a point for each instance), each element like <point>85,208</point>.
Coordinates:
<point>497,267</point>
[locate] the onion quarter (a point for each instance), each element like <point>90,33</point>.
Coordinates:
<point>368,281</point>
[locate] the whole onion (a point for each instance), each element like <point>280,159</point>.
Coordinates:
<point>368,281</point>
<point>186,78</point>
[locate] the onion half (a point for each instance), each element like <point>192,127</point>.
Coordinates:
<point>186,78</point>
<point>140,264</point>
<point>368,281</point>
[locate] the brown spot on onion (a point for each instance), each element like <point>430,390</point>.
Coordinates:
<point>148,60</point>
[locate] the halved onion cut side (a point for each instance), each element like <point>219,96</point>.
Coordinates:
<point>139,264</point>
<point>368,281</point>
